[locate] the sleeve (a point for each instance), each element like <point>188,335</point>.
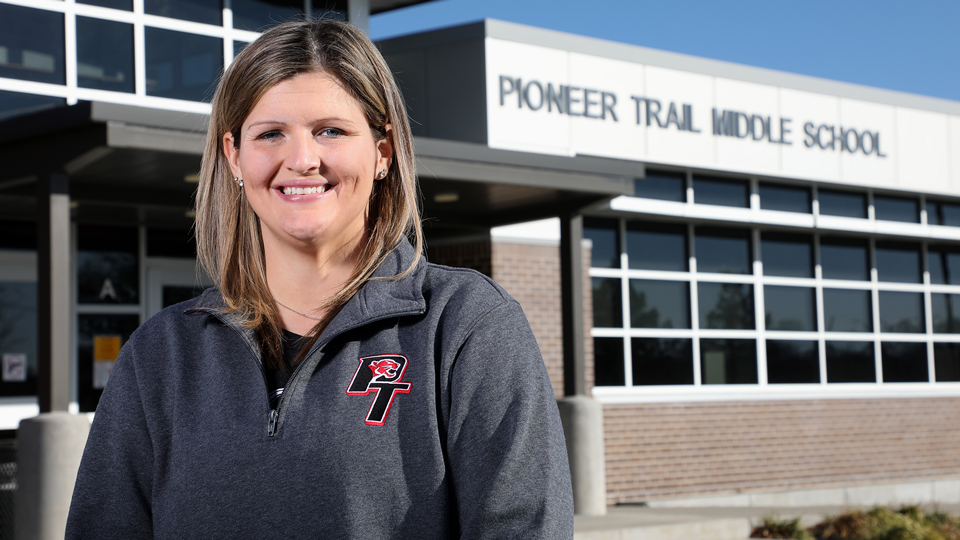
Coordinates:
<point>112,496</point>
<point>505,441</point>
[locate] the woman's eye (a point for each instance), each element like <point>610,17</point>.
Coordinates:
<point>269,135</point>
<point>331,132</point>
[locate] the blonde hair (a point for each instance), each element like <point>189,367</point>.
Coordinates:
<point>229,242</point>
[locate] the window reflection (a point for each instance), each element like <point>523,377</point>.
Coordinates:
<point>904,362</point>
<point>790,308</point>
<point>842,203</point>
<point>901,312</point>
<point>18,338</point>
<point>896,209</point>
<point>946,361</point>
<point>788,255</point>
<point>657,246</point>
<point>93,372</point>
<point>104,55</point>
<point>182,66</point>
<point>608,362</point>
<point>256,15</point>
<point>201,11</point>
<point>726,305</point>
<point>899,262</point>
<point>662,361</point>
<point>723,251</point>
<point>659,304</point>
<point>31,44</point>
<point>943,263</point>
<point>844,258</point>
<point>607,311</point>
<point>847,310</point>
<point>784,198</point>
<point>942,213</point>
<point>792,362</point>
<point>605,249</point>
<point>851,362</point>
<point>945,309</point>
<point>126,5</point>
<point>661,185</point>
<point>107,265</point>
<point>721,192</point>
<point>728,361</point>
<point>16,103</point>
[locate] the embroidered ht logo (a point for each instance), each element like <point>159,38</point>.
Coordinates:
<point>381,374</point>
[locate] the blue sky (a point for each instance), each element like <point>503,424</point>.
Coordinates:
<point>907,45</point>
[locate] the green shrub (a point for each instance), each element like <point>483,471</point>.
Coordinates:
<point>774,527</point>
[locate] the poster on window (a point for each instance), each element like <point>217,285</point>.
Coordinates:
<point>14,367</point>
<point>105,351</point>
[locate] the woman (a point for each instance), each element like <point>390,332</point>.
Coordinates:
<point>415,405</point>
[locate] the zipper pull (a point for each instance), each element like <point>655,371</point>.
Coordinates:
<point>272,426</point>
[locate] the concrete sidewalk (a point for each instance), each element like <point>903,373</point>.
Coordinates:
<point>707,523</point>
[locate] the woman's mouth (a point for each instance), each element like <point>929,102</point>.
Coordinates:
<point>291,190</point>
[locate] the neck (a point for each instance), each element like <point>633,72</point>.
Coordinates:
<point>306,279</point>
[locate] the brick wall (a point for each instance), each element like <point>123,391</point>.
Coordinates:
<point>685,449</point>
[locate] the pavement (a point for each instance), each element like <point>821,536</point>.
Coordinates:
<point>635,522</point>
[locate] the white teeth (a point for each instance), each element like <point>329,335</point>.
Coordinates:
<point>289,190</point>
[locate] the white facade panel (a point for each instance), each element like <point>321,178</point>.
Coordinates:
<point>751,149</point>
<point>804,156</point>
<point>922,144</point>
<point>953,152</point>
<point>602,125</point>
<point>867,127</point>
<point>688,92</point>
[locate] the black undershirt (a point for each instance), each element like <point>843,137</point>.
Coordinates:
<point>277,378</point>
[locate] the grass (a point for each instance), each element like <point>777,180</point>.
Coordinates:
<point>878,523</point>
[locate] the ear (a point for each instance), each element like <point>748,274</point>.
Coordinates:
<point>384,151</point>
<point>232,153</point>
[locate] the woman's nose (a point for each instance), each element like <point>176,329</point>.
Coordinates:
<point>304,155</point>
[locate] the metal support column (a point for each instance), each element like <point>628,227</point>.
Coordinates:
<point>53,290</point>
<point>571,286</point>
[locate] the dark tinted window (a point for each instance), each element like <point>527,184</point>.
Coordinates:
<point>842,258</point>
<point>943,263</point>
<point>18,338</point>
<point>946,361</point>
<point>901,312</point>
<point>665,186</point>
<point>126,5</point>
<point>784,198</point>
<point>789,255</point>
<point>104,55</point>
<point>662,361</point>
<point>659,304</point>
<point>846,310</point>
<point>605,251</point>
<point>790,362</point>
<point>656,246</point>
<point>173,294</point>
<point>942,213</point>
<point>850,362</point>
<point>31,44</point>
<point>725,305</point>
<point>18,235</point>
<point>256,15</point>
<point>896,209</point>
<point>728,361</point>
<point>608,362</point>
<point>790,308</point>
<point>898,262</point>
<point>723,250</point>
<point>93,372</point>
<point>946,313</point>
<point>904,362</point>
<point>607,310</point>
<point>721,192</point>
<point>171,243</point>
<point>16,104</point>
<point>107,265</point>
<point>182,66</point>
<point>201,11</point>
<point>842,203</point>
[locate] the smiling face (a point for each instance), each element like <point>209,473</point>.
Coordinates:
<point>308,159</point>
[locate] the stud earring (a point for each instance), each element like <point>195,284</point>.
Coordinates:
<point>382,174</point>
<point>239,181</point>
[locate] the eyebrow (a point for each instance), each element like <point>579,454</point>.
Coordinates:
<point>317,121</point>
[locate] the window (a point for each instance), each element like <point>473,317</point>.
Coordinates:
<point>725,251</point>
<point>898,262</point>
<point>653,246</point>
<point>842,203</point>
<point>256,15</point>
<point>201,11</point>
<point>946,361</point>
<point>850,362</point>
<point>904,362</point>
<point>790,308</point>
<point>901,312</point>
<point>107,265</point>
<point>662,361</point>
<point>182,66</point>
<point>104,55</point>
<point>126,5</point>
<point>787,255</point>
<point>726,305</point>
<point>896,209</point>
<point>784,198</point>
<point>16,104</point>
<point>18,338</point>
<point>942,213</point>
<point>721,192</point>
<point>664,186</point>
<point>843,258</point>
<point>943,263</point>
<point>846,310</point>
<point>659,304</point>
<point>728,361</point>
<point>946,313</point>
<point>792,362</point>
<point>171,243</point>
<point>602,233</point>
<point>607,311</point>
<point>608,362</point>
<point>31,44</point>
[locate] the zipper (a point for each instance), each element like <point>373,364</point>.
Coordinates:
<point>272,426</point>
